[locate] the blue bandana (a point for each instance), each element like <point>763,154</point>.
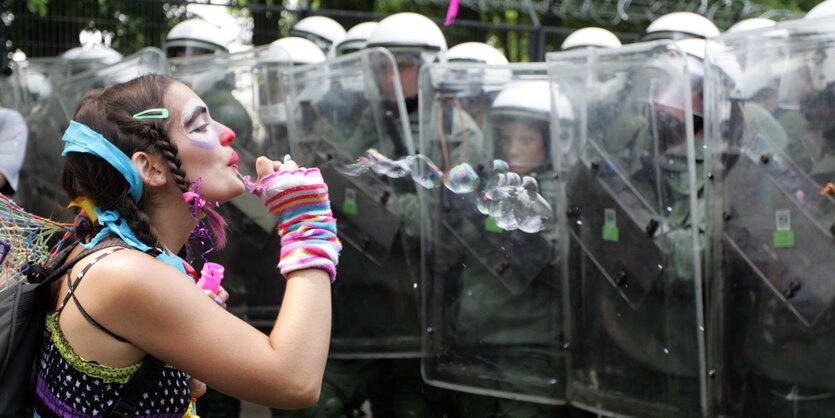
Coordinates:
<point>80,138</point>
<point>114,223</point>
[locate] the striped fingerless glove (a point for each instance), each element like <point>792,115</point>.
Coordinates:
<point>299,200</point>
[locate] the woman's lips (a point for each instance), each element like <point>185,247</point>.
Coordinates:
<point>233,159</point>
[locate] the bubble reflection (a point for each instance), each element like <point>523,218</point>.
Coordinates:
<point>462,179</point>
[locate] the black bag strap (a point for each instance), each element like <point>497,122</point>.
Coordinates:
<point>146,377</point>
<point>150,371</point>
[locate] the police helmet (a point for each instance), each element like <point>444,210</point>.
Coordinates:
<point>410,33</point>
<point>823,9</point>
<point>294,50</point>
<point>321,30</point>
<point>751,24</point>
<point>680,25</point>
<point>477,52</point>
<point>590,37</point>
<point>355,38</point>
<point>194,37</point>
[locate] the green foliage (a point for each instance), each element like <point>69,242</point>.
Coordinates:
<point>37,6</point>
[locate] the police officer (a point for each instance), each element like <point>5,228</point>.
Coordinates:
<point>188,44</point>
<point>271,107</point>
<point>185,44</point>
<point>375,349</point>
<point>13,137</point>
<point>40,175</point>
<point>476,103</point>
<point>775,310</point>
<point>633,351</point>
<point>505,327</point>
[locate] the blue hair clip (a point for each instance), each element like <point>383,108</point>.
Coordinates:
<point>80,138</point>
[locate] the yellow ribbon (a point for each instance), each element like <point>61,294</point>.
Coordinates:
<point>87,205</point>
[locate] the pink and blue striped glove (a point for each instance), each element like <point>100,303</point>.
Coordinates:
<point>299,200</point>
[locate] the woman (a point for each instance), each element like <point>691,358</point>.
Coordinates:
<point>148,156</point>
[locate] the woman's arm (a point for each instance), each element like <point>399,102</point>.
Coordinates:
<point>162,312</point>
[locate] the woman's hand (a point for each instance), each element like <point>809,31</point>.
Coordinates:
<point>265,166</point>
<point>220,297</point>
<point>196,387</point>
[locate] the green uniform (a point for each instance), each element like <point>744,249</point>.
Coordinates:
<point>505,333</point>
<point>376,308</point>
<point>772,350</point>
<point>633,342</point>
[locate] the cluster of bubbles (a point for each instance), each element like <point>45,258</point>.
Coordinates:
<point>461,179</point>
<point>512,201</point>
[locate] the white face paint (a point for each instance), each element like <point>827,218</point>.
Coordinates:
<point>198,126</point>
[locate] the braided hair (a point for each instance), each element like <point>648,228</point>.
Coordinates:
<point>109,111</point>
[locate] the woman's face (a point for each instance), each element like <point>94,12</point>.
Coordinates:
<point>522,146</point>
<point>203,145</point>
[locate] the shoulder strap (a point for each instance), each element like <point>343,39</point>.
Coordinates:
<point>71,288</point>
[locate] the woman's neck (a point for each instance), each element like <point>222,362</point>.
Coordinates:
<point>173,223</point>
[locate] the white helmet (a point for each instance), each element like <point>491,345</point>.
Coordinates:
<point>529,103</point>
<point>87,58</point>
<point>478,52</point>
<point>409,31</point>
<point>823,9</point>
<point>294,50</point>
<point>751,24</point>
<point>322,30</point>
<point>590,37</point>
<point>530,99</point>
<point>194,37</point>
<point>680,25</point>
<point>101,53</point>
<point>355,38</point>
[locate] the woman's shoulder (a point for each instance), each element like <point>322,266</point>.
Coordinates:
<point>123,267</point>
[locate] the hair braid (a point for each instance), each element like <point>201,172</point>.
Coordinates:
<point>168,148</point>
<point>110,112</point>
<point>137,220</point>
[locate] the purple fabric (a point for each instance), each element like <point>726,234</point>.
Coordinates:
<point>64,410</point>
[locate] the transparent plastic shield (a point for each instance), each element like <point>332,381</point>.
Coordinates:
<point>492,293</point>
<point>35,78</point>
<point>40,190</point>
<point>270,102</point>
<point>70,90</point>
<point>632,262</point>
<point>337,111</point>
<point>772,272</point>
<point>231,85</point>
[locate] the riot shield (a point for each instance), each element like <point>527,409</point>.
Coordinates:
<point>492,296</point>
<point>338,110</point>
<point>40,191</point>
<point>771,270</point>
<point>231,85</point>
<point>34,79</point>
<point>632,266</point>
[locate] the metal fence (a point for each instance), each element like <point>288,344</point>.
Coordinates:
<point>138,23</point>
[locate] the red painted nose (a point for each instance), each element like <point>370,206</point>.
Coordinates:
<point>227,136</point>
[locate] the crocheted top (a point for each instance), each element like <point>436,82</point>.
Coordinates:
<point>70,386</point>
